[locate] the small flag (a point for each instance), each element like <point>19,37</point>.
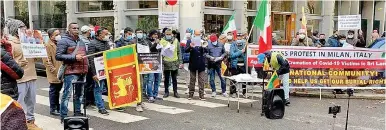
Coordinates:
<point>274,82</point>
<point>266,65</point>
<point>231,26</point>
<point>223,68</point>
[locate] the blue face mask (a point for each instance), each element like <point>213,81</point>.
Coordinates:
<point>239,41</point>
<point>92,34</point>
<point>168,37</point>
<point>129,37</point>
<point>140,35</point>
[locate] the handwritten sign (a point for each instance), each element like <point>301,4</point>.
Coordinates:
<point>100,67</point>
<point>34,50</point>
<point>149,63</point>
<point>349,22</point>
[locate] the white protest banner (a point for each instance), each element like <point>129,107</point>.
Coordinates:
<point>99,67</point>
<point>168,19</point>
<point>34,50</point>
<point>349,22</point>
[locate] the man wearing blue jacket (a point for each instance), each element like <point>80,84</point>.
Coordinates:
<point>237,58</point>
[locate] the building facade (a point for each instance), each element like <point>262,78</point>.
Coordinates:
<point>210,15</point>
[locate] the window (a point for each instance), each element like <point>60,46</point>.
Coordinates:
<point>337,5</point>
<point>250,20</point>
<point>51,15</point>
<point>219,4</point>
<point>148,22</point>
<point>142,4</point>
<point>21,11</point>
<point>107,22</point>
<point>215,23</point>
<point>314,6</point>
<point>282,6</point>
<point>252,5</point>
<point>94,5</point>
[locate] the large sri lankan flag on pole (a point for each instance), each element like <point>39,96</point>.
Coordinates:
<point>122,74</point>
<point>263,23</point>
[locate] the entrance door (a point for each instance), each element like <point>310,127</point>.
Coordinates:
<point>283,24</point>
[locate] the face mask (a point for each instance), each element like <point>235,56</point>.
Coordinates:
<point>57,38</point>
<point>140,35</point>
<point>302,36</point>
<point>129,37</point>
<point>229,37</point>
<point>198,37</point>
<point>239,41</point>
<point>335,35</point>
<point>168,37</point>
<point>350,36</point>
<point>188,35</point>
<point>322,40</point>
<point>106,38</point>
<point>342,41</point>
<point>214,43</point>
<point>92,33</point>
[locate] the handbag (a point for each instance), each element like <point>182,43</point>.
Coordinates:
<point>63,67</point>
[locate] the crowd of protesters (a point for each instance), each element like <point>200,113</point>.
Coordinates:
<point>67,62</point>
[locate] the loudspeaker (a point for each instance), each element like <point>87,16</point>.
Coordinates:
<point>274,103</point>
<point>76,123</point>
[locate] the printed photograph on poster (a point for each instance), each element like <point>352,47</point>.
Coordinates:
<point>100,67</point>
<point>149,63</point>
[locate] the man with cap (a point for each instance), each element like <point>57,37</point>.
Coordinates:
<point>357,42</point>
<point>216,54</point>
<point>302,39</point>
<point>279,64</point>
<point>237,61</point>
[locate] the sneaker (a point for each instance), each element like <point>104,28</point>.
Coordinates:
<point>224,94</point>
<point>151,100</point>
<point>287,102</point>
<point>121,109</point>
<point>166,95</point>
<point>202,99</point>
<point>139,108</point>
<point>176,95</point>
<point>189,98</point>
<point>32,126</point>
<point>103,112</point>
<point>214,94</point>
<point>54,113</point>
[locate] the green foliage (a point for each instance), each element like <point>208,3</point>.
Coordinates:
<point>148,22</point>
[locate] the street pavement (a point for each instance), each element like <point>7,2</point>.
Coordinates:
<point>213,114</point>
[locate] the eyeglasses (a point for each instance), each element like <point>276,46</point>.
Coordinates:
<point>74,28</point>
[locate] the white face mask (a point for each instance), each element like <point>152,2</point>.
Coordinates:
<point>302,36</point>
<point>342,41</point>
<point>350,36</point>
<point>57,38</point>
<point>106,38</point>
<point>229,37</point>
<point>188,35</point>
<point>214,43</point>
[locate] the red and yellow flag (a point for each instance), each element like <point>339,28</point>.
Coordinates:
<point>122,76</point>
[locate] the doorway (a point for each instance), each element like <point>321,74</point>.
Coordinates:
<point>283,25</point>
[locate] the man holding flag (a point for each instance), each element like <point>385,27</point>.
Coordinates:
<point>279,64</point>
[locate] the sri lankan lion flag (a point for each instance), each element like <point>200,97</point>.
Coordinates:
<point>122,74</point>
<point>274,82</point>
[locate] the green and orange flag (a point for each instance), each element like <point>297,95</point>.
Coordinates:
<point>122,74</point>
<point>274,82</point>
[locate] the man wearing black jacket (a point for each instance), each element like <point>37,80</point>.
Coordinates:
<point>280,64</point>
<point>101,43</point>
<point>154,79</point>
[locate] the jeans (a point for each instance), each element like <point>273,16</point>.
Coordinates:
<point>98,94</point>
<point>153,84</point>
<point>212,72</point>
<point>54,94</point>
<point>285,80</point>
<point>67,92</point>
<point>27,98</point>
<point>173,74</point>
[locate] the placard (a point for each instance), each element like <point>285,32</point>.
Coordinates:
<point>349,22</point>
<point>99,67</point>
<point>330,66</point>
<point>33,50</point>
<point>149,63</point>
<point>168,19</point>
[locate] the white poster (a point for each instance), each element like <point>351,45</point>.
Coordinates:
<point>99,67</point>
<point>349,22</point>
<point>168,19</point>
<point>34,50</point>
